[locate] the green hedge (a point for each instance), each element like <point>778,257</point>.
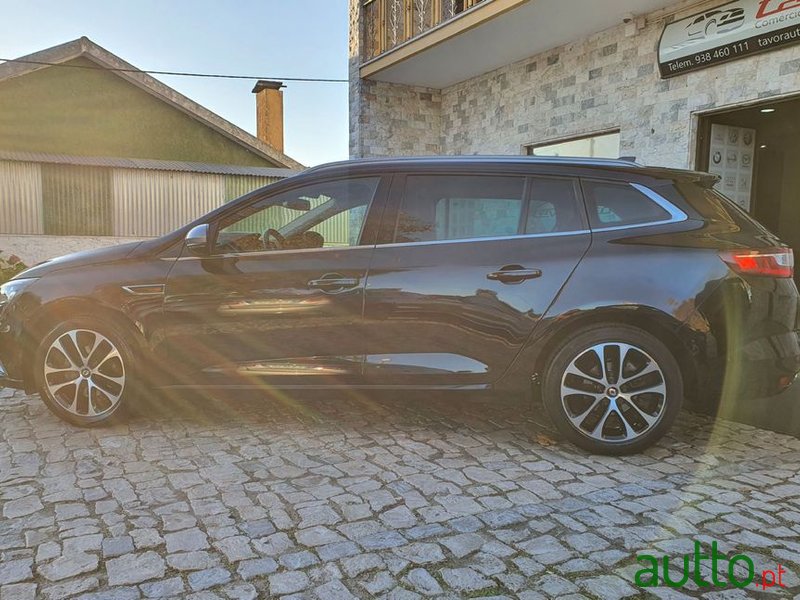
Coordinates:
<point>10,265</point>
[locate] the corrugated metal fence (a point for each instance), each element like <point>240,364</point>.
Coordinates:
<point>335,230</point>
<point>76,199</point>
<point>153,203</point>
<point>99,201</point>
<point>20,198</point>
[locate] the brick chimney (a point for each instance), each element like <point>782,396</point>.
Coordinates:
<point>269,112</point>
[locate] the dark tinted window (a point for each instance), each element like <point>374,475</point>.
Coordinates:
<point>614,204</point>
<point>453,207</point>
<point>554,207</point>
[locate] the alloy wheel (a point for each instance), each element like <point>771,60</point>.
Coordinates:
<point>613,392</point>
<point>84,372</point>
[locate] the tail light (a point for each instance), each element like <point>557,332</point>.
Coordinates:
<point>768,262</point>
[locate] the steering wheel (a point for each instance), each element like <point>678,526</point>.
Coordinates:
<point>276,235</point>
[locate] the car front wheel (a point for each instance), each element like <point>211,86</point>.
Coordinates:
<point>613,389</point>
<point>84,371</point>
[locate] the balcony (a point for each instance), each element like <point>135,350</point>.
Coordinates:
<point>389,23</point>
<point>438,43</point>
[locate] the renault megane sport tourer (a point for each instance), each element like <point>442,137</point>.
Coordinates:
<point>614,289</point>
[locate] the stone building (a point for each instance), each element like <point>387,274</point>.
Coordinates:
<point>94,152</point>
<point>710,85</point>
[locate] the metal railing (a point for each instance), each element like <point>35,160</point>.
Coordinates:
<point>389,23</point>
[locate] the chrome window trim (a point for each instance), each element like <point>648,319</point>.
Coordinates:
<point>676,215</point>
<point>487,239</point>
<point>394,245</point>
<point>263,253</point>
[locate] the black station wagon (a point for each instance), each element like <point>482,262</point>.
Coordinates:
<point>616,290</point>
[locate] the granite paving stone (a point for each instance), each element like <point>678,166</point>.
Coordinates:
<point>344,497</point>
<point>135,568</point>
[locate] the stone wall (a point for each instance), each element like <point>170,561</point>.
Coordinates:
<point>33,249</point>
<point>401,120</point>
<point>388,119</point>
<point>607,81</point>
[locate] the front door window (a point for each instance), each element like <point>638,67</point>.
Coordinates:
<point>322,215</point>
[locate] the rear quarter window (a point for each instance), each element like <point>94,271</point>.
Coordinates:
<point>617,204</point>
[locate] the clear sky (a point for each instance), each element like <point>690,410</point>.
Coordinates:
<point>268,38</point>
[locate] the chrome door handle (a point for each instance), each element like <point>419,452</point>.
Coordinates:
<point>514,274</point>
<point>334,282</point>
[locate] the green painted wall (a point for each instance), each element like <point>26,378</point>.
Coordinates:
<point>77,200</point>
<point>91,112</point>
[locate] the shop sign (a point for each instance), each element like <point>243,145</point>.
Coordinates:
<point>728,32</point>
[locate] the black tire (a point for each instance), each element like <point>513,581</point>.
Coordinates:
<point>656,404</point>
<point>102,385</point>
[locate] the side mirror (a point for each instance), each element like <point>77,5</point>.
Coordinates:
<point>197,240</point>
<point>301,204</point>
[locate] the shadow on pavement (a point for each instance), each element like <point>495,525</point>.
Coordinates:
<point>780,413</point>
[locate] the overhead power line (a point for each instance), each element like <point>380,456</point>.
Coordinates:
<point>176,73</point>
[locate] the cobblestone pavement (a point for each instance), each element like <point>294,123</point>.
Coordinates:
<point>359,497</point>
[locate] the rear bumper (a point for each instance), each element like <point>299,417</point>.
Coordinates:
<point>746,338</point>
<point>762,368</point>
<point>771,364</point>
<point>783,370</point>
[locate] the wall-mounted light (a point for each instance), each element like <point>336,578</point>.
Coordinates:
<point>763,146</point>
<point>767,111</point>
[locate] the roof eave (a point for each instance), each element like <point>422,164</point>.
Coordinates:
<point>84,47</point>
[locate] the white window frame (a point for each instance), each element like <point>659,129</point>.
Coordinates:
<point>530,149</point>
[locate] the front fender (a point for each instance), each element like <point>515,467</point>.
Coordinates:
<point>101,290</point>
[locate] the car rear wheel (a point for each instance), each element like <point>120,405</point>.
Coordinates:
<point>84,371</point>
<point>613,389</point>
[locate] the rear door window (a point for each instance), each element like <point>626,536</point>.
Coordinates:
<point>457,207</point>
<point>618,204</point>
<point>554,207</point>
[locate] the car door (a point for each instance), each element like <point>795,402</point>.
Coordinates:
<point>278,299</point>
<point>470,264</point>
